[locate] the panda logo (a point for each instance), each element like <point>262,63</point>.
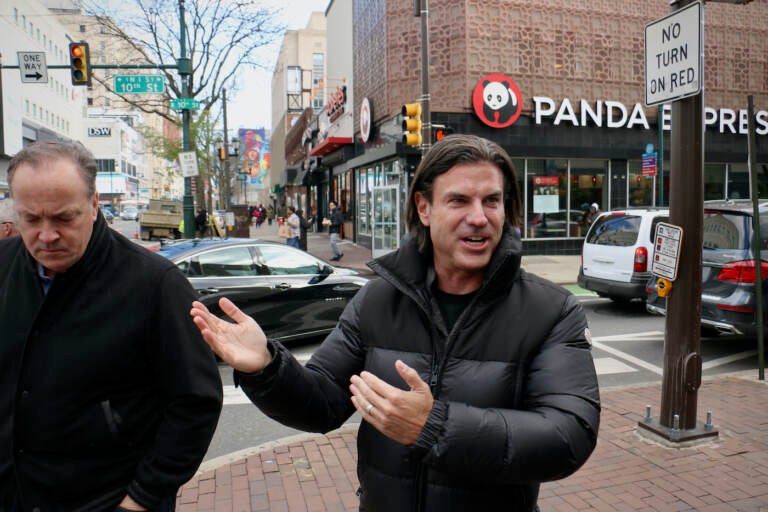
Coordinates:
<point>497,100</point>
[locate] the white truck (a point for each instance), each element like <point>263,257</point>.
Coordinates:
<point>161,219</point>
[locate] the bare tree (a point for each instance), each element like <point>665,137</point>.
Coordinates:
<point>223,37</point>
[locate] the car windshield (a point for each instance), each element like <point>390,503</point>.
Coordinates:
<point>616,229</point>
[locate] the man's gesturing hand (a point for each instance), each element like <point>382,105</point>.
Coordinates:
<point>241,344</point>
<point>399,415</point>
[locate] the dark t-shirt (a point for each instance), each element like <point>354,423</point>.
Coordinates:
<point>452,305</point>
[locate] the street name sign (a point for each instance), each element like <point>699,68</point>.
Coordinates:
<point>32,67</point>
<point>188,163</point>
<point>673,56</point>
<point>185,104</point>
<point>139,84</point>
<point>666,256</point>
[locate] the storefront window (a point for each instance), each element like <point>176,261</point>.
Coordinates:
<point>640,187</point>
<point>546,194</point>
<point>714,183</point>
<point>364,187</point>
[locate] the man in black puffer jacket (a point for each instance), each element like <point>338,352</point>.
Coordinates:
<point>109,395</point>
<point>475,379</point>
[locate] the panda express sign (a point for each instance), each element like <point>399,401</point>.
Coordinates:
<point>497,101</point>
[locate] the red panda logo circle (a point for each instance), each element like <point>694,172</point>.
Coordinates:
<point>497,100</point>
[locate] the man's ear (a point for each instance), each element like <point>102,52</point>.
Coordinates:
<point>95,211</point>
<point>423,208</point>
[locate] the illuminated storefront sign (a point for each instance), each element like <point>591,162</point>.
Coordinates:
<point>497,102</point>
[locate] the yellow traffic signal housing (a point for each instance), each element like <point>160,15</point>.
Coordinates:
<point>80,63</point>
<point>222,153</point>
<point>412,124</point>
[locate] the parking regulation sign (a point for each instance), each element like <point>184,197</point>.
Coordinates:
<point>673,56</point>
<point>666,254</point>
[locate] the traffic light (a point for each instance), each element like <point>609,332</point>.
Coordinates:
<point>412,124</point>
<point>223,153</point>
<point>80,63</point>
<point>439,131</point>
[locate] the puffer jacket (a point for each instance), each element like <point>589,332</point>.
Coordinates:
<point>107,385</point>
<point>516,394</point>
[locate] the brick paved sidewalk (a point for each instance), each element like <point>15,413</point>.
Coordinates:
<point>627,472</point>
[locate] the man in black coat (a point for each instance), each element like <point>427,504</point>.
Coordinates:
<point>108,395</point>
<point>474,379</point>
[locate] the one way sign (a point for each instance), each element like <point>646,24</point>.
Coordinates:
<point>33,67</point>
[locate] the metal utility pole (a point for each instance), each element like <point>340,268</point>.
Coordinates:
<point>682,340</point>
<point>426,127</point>
<point>757,242</point>
<point>184,67</point>
<point>225,164</point>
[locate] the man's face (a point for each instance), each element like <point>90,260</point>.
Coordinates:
<point>332,205</point>
<point>55,213</point>
<point>465,218</point>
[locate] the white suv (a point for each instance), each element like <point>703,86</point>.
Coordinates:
<point>617,252</point>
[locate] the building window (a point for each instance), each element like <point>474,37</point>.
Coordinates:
<point>16,15</point>
<point>82,28</point>
<point>105,165</point>
<point>90,102</point>
<point>318,73</point>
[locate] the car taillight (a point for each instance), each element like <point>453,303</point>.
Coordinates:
<point>742,272</point>
<point>641,259</point>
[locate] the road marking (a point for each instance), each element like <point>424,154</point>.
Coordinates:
<point>609,365</point>
<point>596,342</point>
<point>720,361</point>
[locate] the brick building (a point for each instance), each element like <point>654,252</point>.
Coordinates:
<point>575,121</point>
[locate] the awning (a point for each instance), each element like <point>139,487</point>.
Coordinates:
<point>329,145</point>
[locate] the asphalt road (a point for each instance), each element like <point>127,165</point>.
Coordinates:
<point>628,349</point>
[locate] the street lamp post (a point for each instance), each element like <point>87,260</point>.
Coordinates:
<point>184,67</point>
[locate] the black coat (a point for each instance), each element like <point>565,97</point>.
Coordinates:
<point>516,392</point>
<point>106,385</point>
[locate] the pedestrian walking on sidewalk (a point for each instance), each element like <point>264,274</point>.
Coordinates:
<point>474,379</point>
<point>109,395</point>
<point>294,223</point>
<point>334,222</point>
<point>303,227</point>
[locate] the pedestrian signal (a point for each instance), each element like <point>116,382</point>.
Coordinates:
<point>411,124</point>
<point>80,63</point>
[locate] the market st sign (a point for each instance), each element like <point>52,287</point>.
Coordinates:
<point>614,114</point>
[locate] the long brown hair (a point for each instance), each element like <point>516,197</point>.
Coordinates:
<point>442,157</point>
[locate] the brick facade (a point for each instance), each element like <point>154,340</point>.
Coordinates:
<point>591,49</point>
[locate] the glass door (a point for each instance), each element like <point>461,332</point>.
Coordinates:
<point>386,215</point>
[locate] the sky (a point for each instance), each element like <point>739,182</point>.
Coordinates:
<point>252,107</point>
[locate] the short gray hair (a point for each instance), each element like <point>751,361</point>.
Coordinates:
<point>40,152</point>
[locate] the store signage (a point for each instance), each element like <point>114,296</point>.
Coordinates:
<point>497,102</point>
<point>614,114</point>
<point>649,161</point>
<point>336,103</point>
<point>99,131</point>
<point>365,120</point>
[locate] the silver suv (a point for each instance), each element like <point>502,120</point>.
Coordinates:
<point>617,251</point>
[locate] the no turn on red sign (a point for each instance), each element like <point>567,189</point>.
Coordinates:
<point>674,56</point>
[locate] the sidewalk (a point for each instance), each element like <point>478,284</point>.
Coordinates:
<point>627,471</point>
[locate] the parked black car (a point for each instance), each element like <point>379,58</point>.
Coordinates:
<point>290,293</point>
<point>728,299</point>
